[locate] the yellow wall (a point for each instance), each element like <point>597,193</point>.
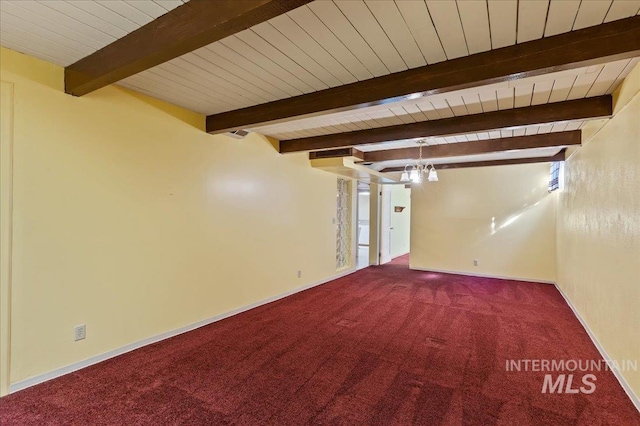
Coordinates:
<point>503,216</point>
<point>130,219</point>
<point>599,229</point>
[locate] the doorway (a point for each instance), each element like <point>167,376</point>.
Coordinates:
<point>395,221</point>
<point>386,229</point>
<point>400,220</point>
<point>363,231</point>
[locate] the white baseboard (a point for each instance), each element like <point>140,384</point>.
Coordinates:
<point>31,381</point>
<point>469,274</point>
<point>616,372</point>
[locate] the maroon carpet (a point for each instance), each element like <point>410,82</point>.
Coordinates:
<point>385,345</point>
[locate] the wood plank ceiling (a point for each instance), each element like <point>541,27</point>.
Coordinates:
<point>327,44</point>
<point>63,32</point>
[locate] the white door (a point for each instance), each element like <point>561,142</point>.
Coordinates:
<point>400,220</point>
<point>385,224</point>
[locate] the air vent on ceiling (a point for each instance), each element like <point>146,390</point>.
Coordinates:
<point>332,153</point>
<point>238,134</point>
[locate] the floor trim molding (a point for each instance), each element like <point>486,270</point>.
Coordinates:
<point>616,372</point>
<point>469,274</point>
<point>32,381</point>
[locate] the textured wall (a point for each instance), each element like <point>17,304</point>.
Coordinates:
<point>503,216</point>
<point>599,229</point>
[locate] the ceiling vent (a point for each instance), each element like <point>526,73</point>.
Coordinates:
<point>238,134</point>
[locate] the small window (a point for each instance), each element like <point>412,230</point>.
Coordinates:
<point>555,177</point>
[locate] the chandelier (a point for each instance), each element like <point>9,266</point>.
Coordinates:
<point>415,172</point>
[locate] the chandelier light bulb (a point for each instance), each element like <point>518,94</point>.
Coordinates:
<point>433,175</point>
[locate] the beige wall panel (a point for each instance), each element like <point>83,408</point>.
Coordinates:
<point>599,229</point>
<point>502,216</point>
<point>132,220</point>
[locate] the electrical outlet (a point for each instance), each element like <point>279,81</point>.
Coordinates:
<point>299,274</point>
<point>80,332</point>
<point>475,262</point>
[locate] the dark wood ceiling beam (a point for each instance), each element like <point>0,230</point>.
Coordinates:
<point>545,140</point>
<point>589,108</point>
<point>560,156</point>
<point>182,30</point>
<point>594,45</point>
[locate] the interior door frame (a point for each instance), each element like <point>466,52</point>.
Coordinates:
<point>6,228</point>
<point>374,223</point>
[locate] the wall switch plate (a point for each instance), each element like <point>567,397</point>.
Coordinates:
<point>80,332</point>
<point>475,262</point>
<point>299,274</point>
